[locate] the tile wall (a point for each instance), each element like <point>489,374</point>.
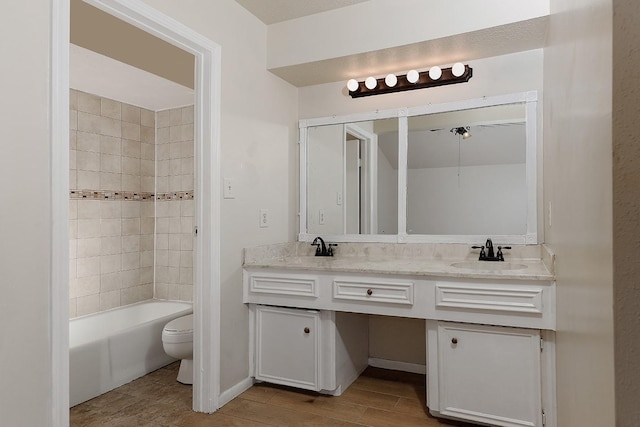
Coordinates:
<point>114,207</point>
<point>175,213</point>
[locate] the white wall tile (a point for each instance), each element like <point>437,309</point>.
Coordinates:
<point>131,209</point>
<point>88,228</point>
<point>87,248</point>
<point>88,267</point>
<point>110,108</point>
<point>110,246</point>
<point>147,118</point>
<point>88,209</point>
<point>110,263</point>
<point>88,180</point>
<point>111,209</point>
<point>130,114</point>
<point>88,103</point>
<point>131,244</point>
<point>88,161</point>
<point>88,142</point>
<point>111,163</point>
<point>110,145</point>
<point>110,227</point>
<point>130,261</point>
<point>109,300</point>
<point>110,281</point>
<point>87,305</point>
<point>89,123</point>
<point>110,127</point>
<point>130,226</point>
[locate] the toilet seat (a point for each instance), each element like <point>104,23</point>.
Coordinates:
<point>179,330</point>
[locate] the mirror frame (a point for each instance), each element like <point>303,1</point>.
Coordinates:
<point>530,99</point>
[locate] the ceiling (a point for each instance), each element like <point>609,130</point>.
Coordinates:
<point>274,11</point>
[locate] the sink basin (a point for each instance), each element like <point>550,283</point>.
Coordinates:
<point>489,265</point>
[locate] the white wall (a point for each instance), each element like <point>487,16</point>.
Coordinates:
<point>324,179</point>
<point>577,185</point>
<point>25,215</point>
<point>517,72</point>
<point>387,194</point>
<point>491,76</point>
<point>490,198</point>
<point>259,151</point>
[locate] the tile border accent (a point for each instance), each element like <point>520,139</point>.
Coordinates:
<point>128,195</point>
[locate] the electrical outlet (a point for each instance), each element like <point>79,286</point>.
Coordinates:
<point>321,217</point>
<point>264,218</point>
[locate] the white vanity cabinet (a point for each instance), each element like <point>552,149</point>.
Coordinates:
<point>490,342</point>
<point>288,345</point>
<point>485,374</point>
<point>316,350</point>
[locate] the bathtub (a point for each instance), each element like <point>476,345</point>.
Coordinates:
<point>112,348</point>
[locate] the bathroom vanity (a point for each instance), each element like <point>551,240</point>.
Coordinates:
<point>490,325</point>
<point>407,199</point>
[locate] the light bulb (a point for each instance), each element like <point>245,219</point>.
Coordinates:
<point>458,69</point>
<point>413,76</point>
<point>371,83</point>
<point>391,80</point>
<point>353,85</point>
<point>435,73</point>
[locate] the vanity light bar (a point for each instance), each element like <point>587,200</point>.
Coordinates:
<point>435,76</point>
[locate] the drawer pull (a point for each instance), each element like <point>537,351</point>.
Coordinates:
<point>369,292</point>
<point>307,330</point>
<point>454,340</point>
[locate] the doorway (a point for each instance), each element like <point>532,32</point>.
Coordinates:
<point>206,387</point>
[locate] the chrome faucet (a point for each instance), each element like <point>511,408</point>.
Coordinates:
<point>321,248</point>
<point>490,255</point>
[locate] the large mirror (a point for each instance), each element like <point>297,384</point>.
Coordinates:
<point>454,172</point>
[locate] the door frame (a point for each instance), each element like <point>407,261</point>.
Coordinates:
<point>207,111</point>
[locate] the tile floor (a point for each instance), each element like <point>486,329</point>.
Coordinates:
<point>377,398</point>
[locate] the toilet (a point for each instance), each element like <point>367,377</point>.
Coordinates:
<point>177,340</point>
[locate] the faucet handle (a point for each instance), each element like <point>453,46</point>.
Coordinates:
<point>483,255</point>
<point>330,248</point>
<point>317,245</point>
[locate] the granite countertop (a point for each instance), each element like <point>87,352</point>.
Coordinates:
<point>415,260</point>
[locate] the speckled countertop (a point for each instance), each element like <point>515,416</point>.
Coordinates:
<point>524,262</point>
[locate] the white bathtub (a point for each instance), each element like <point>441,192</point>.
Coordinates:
<point>112,348</point>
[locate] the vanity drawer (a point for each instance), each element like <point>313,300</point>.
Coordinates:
<point>379,291</point>
<point>489,298</point>
<point>275,284</point>
<point>529,305</point>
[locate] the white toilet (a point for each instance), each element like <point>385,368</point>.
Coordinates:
<point>177,340</point>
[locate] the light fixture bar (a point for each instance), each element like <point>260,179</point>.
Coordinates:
<point>424,81</point>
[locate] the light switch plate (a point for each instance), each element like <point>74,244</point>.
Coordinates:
<point>229,189</point>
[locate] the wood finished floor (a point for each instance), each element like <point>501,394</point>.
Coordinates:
<point>377,398</point>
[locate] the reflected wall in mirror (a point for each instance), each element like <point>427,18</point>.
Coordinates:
<point>472,185</point>
<point>352,178</point>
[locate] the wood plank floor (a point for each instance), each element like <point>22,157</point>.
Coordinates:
<point>377,398</point>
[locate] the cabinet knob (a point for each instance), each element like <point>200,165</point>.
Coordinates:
<point>307,330</point>
<point>454,340</point>
<point>369,292</point>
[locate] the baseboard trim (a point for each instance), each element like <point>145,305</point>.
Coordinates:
<point>398,366</point>
<point>235,391</point>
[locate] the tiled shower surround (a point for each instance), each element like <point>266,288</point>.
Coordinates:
<point>131,204</point>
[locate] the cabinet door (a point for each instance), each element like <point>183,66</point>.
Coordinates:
<point>287,346</point>
<point>490,374</point>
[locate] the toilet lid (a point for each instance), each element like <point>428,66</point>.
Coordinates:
<point>178,330</point>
